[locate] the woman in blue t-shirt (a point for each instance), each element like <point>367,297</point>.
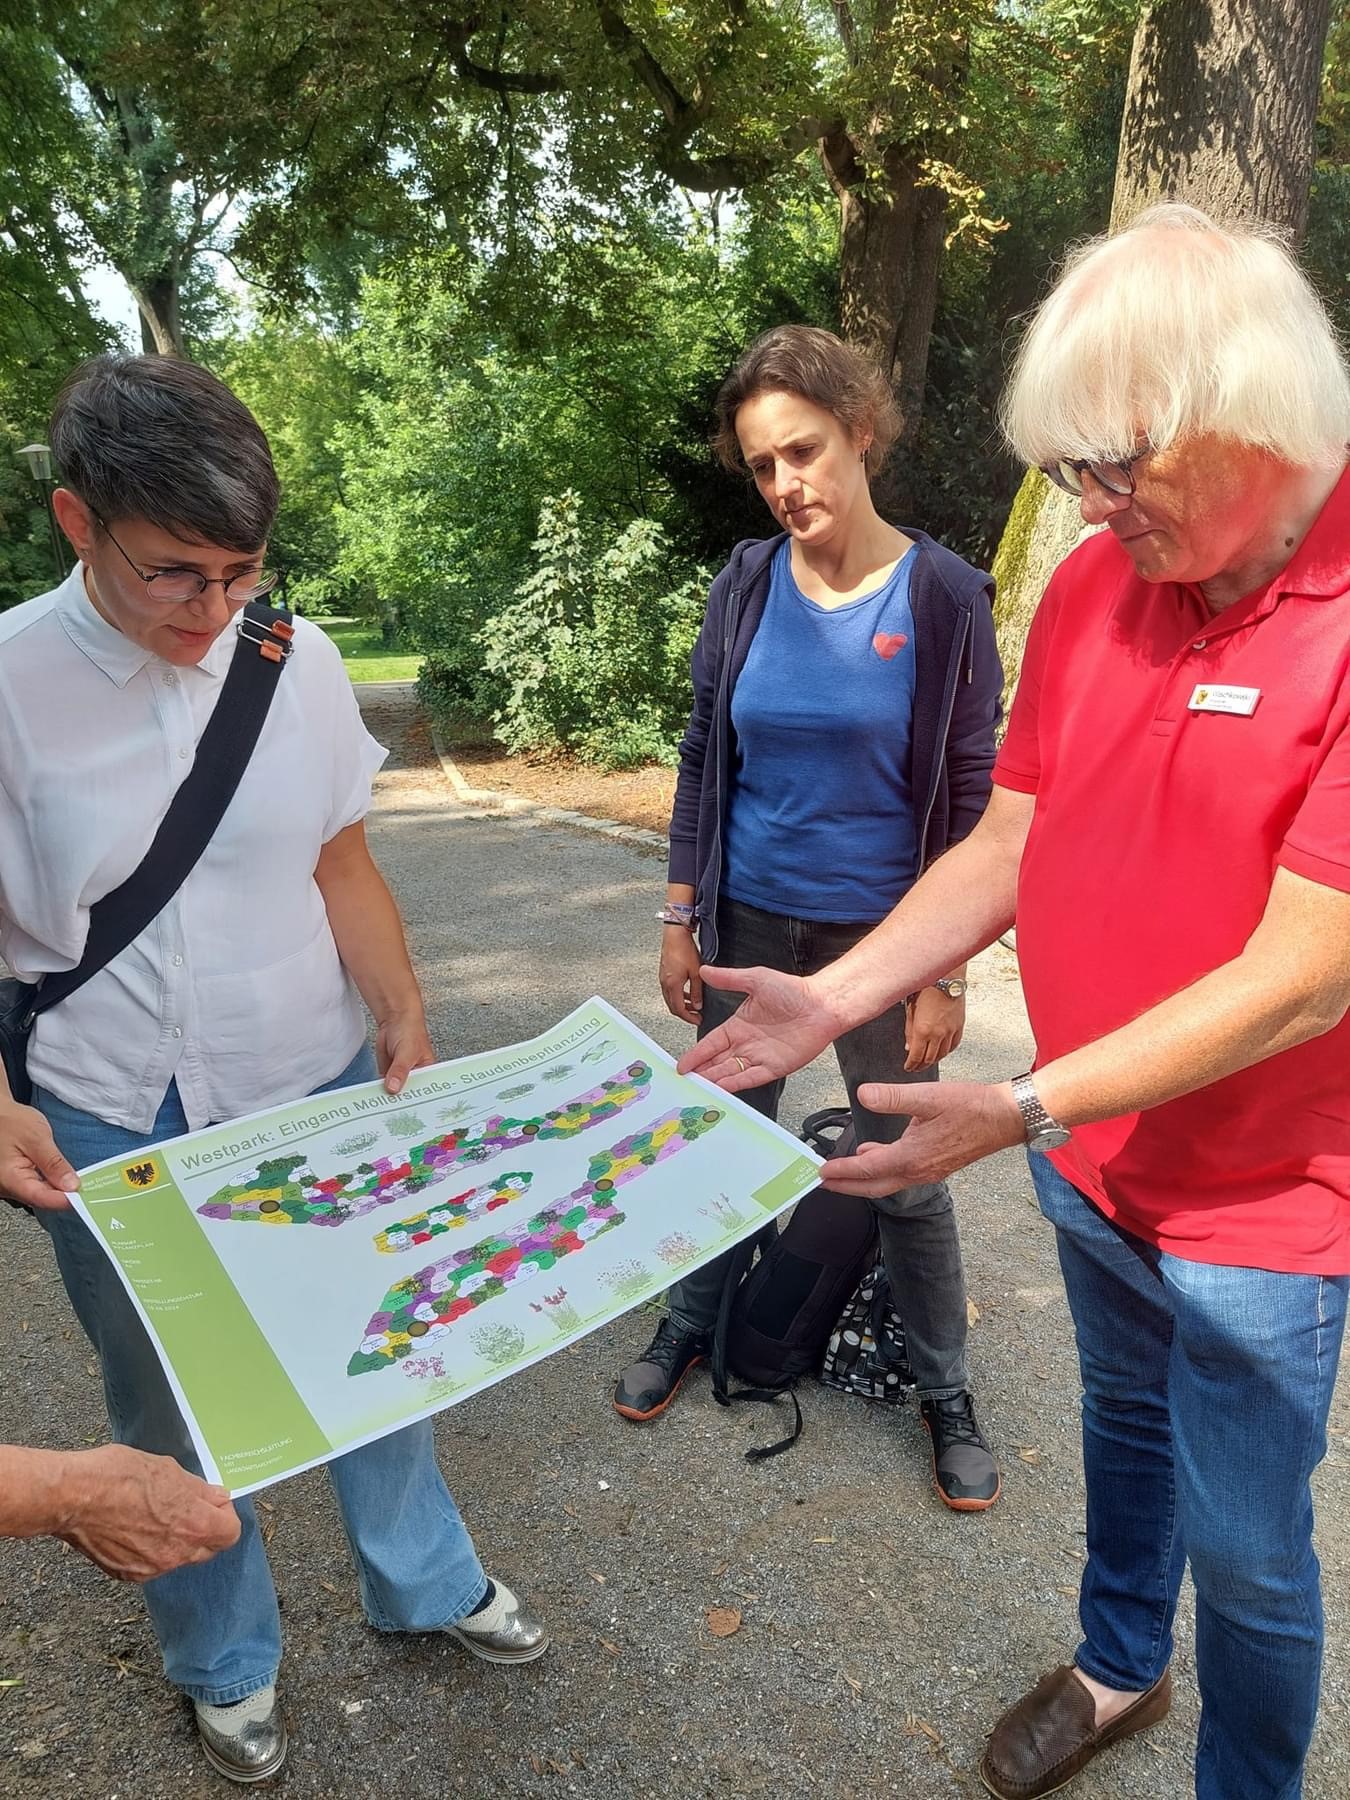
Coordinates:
<point>846,690</point>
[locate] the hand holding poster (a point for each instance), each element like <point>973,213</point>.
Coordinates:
<point>325,1272</point>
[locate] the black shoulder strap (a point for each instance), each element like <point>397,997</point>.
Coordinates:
<point>196,809</point>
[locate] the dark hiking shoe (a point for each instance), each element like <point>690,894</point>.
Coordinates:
<point>964,1471</point>
<point>648,1386</point>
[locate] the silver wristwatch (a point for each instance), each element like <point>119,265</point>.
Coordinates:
<point>952,986</point>
<point>1043,1132</point>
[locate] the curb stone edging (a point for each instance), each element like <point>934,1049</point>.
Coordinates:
<point>490,800</point>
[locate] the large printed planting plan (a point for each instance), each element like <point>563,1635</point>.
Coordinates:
<point>322,1273</point>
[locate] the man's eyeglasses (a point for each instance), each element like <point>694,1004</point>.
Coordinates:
<point>187,584</point>
<point>1115,477</point>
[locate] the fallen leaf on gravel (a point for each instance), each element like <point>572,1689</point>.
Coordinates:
<point>536,1765</point>
<point>555,1767</point>
<point>594,1577</point>
<point>720,1570</point>
<point>1029,1453</point>
<point>32,1748</point>
<point>328,1587</point>
<point>852,1682</point>
<point>579,1759</point>
<point>1072,1593</point>
<point>972,1313</point>
<point>724,1621</point>
<point>916,1727</point>
<point>826,1540</point>
<point>607,1644</point>
<point>571,1511</point>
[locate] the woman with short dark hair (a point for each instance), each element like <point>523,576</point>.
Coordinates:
<point>846,690</point>
<point>243,993</point>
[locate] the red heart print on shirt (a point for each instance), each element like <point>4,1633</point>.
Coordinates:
<point>887,643</point>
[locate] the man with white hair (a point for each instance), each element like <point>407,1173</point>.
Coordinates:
<point>1170,828</point>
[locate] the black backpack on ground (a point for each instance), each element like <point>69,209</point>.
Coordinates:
<point>777,1317</point>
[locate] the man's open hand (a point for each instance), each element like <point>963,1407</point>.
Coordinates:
<point>952,1123</point>
<point>779,1028</point>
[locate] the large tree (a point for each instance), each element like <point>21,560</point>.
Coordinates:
<point>444,121</point>
<point>1220,112</point>
<point>88,92</point>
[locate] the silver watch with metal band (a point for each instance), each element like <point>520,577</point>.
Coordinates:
<point>1043,1132</point>
<point>953,986</point>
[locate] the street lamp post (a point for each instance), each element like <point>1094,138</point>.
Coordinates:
<point>39,460</point>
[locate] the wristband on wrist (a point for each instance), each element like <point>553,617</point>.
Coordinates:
<point>676,912</point>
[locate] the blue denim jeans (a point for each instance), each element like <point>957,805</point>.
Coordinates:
<point>1206,1391</point>
<point>217,1622</point>
<point>917,1226</point>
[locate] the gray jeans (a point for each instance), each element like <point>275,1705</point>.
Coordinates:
<point>917,1226</point>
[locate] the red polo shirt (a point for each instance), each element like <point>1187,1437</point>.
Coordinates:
<point>1159,825</point>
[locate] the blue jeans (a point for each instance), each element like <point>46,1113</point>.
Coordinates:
<point>920,1244</point>
<point>1206,1391</point>
<point>217,1622</point>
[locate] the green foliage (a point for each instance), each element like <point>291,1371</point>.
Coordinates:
<point>1327,249</point>
<point>592,651</point>
<point>502,262</point>
<point>531,647</point>
<point>302,388</point>
<point>27,565</point>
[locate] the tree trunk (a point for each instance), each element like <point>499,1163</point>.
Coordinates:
<point>1219,112</point>
<point>1220,109</point>
<point>152,258</point>
<point>889,258</point>
<point>161,328</point>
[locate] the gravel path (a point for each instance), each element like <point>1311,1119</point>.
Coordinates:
<point>881,1634</point>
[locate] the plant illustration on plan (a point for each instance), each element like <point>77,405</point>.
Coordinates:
<point>285,1190</point>
<point>426,1304</point>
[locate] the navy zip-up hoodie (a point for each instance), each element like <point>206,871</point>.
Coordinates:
<point>958,683</point>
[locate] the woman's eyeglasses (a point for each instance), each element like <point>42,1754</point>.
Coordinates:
<point>187,584</point>
<point>1115,477</point>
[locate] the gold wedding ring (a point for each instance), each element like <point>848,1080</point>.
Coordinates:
<point>740,1062</point>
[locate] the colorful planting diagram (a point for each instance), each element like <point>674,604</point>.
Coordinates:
<point>451,1235</point>
<point>284,1190</point>
<point>427,1303</point>
<point>448,1215</point>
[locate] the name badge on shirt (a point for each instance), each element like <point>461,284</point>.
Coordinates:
<point>1209,698</point>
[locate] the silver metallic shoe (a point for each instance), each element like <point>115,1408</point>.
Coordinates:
<point>503,1632</point>
<point>246,1742</point>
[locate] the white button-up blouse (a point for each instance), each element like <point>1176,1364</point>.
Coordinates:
<point>236,990</point>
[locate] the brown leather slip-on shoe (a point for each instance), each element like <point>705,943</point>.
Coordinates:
<point>1039,1745</point>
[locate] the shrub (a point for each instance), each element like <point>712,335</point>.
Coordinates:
<point>592,652</point>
